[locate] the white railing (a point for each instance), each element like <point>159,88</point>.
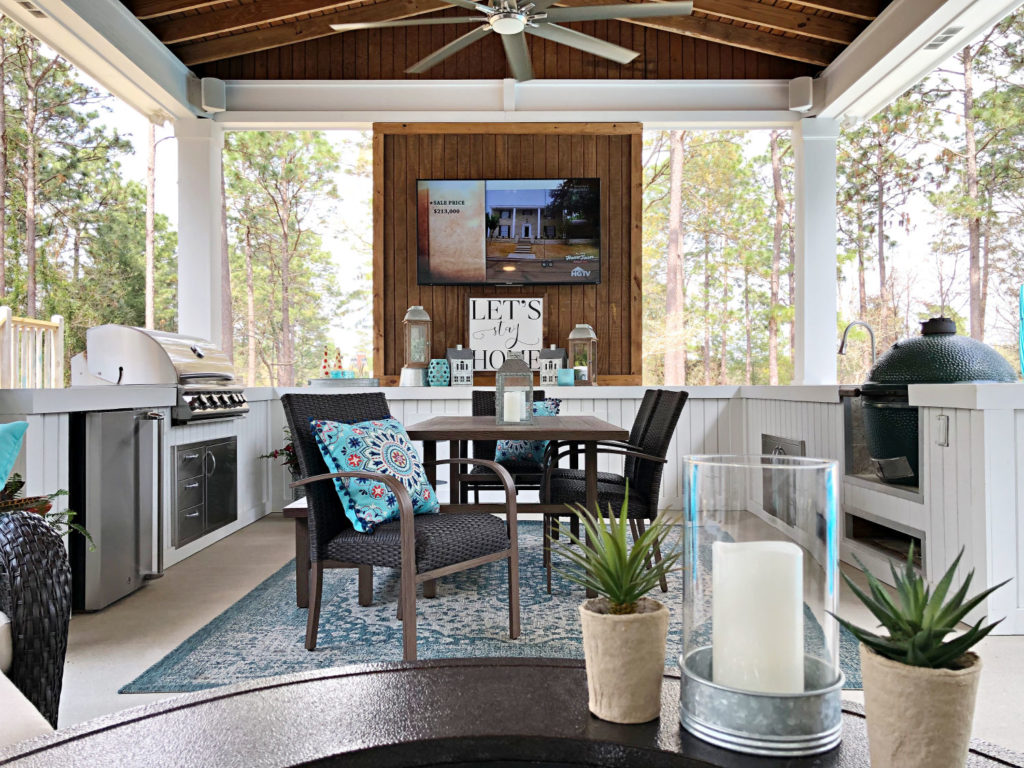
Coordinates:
<point>31,352</point>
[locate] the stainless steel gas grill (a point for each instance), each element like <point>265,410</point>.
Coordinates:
<point>202,373</point>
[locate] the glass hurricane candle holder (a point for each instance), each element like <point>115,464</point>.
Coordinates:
<point>760,651</point>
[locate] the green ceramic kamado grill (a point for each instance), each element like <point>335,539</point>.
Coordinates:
<point>937,356</point>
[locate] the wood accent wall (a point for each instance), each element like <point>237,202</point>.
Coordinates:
<point>385,54</point>
<point>403,153</point>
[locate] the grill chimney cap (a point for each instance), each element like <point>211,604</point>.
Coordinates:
<point>938,326</point>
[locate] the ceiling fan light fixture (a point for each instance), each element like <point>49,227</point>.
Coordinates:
<point>507,22</point>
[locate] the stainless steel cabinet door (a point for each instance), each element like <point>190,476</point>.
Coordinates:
<point>221,484</point>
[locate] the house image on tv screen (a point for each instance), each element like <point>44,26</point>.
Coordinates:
<point>543,230</point>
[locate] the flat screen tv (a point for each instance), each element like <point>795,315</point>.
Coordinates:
<point>508,232</point>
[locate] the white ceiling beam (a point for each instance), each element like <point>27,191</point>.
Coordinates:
<point>310,104</point>
<point>104,40</point>
<point>889,56</point>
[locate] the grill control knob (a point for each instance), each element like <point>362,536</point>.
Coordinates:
<point>193,403</point>
<point>204,402</point>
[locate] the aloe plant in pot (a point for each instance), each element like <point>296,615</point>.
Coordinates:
<point>919,688</point>
<point>623,631</point>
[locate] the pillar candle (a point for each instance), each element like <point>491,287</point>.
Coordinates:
<point>757,616</point>
<point>513,406</point>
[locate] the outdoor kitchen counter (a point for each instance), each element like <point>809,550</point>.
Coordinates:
<point>24,402</point>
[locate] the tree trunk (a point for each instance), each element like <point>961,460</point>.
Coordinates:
<point>286,362</point>
<point>675,290</point>
<point>777,231</point>
<point>883,278</point>
<point>76,255</point>
<point>151,226</point>
<point>723,346</point>
<point>707,313</point>
<point>3,165</point>
<point>250,311</point>
<point>30,187</point>
<point>227,324</point>
<point>748,327</point>
<point>977,309</point>
<point>985,251</point>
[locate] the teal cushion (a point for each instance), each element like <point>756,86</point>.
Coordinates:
<point>11,436</point>
<point>382,447</point>
<point>527,451</point>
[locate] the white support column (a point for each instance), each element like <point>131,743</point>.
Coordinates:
<point>814,153</point>
<point>199,238</point>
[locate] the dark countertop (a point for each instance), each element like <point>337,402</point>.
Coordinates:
<point>464,712</point>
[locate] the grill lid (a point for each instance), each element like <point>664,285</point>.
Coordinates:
<point>123,354</point>
<point>939,356</point>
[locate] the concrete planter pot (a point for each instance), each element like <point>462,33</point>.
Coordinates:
<point>625,657</point>
<point>918,717</point>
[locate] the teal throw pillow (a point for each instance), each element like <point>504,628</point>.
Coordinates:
<point>11,436</point>
<point>527,451</point>
<point>381,447</point>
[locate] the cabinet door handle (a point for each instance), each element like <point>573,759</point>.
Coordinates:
<point>212,469</point>
<point>192,514</point>
<point>191,485</point>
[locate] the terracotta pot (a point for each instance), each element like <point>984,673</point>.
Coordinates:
<point>625,657</point>
<point>918,717</point>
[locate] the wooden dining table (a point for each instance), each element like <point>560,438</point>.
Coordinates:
<point>458,431</point>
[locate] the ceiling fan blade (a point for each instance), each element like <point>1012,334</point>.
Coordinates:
<point>623,11</point>
<point>470,4</point>
<point>575,39</point>
<point>405,23</point>
<point>452,48</point>
<point>518,55</point>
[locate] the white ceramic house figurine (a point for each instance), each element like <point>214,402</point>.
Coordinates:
<point>551,361</point>
<point>461,363</point>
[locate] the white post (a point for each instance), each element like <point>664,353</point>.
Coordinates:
<point>199,237</point>
<point>814,153</point>
<point>57,353</point>
<point>6,348</point>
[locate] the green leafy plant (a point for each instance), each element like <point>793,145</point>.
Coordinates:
<point>918,619</point>
<point>608,565</point>
<point>62,521</point>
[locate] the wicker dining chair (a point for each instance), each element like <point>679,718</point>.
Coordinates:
<point>35,593</point>
<point>525,475</point>
<point>422,547</point>
<point>644,461</point>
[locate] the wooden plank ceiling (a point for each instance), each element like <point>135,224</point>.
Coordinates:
<point>292,39</point>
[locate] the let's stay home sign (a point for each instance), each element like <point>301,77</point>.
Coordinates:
<point>498,326</point>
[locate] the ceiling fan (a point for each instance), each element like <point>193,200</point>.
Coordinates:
<point>512,18</point>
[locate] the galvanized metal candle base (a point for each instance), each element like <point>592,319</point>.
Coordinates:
<point>779,725</point>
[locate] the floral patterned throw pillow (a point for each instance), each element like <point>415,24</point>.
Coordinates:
<point>527,451</point>
<point>382,447</point>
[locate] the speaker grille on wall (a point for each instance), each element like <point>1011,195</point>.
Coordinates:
<point>213,95</point>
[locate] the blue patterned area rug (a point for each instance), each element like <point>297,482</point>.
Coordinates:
<point>262,634</point>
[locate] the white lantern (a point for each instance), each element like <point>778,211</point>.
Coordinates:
<point>513,393</point>
<point>417,347</point>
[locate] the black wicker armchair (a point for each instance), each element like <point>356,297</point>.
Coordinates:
<point>423,547</point>
<point>35,593</point>
<point>644,461</point>
<point>526,476</point>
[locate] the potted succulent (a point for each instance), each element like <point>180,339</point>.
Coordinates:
<point>623,631</point>
<point>919,688</point>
